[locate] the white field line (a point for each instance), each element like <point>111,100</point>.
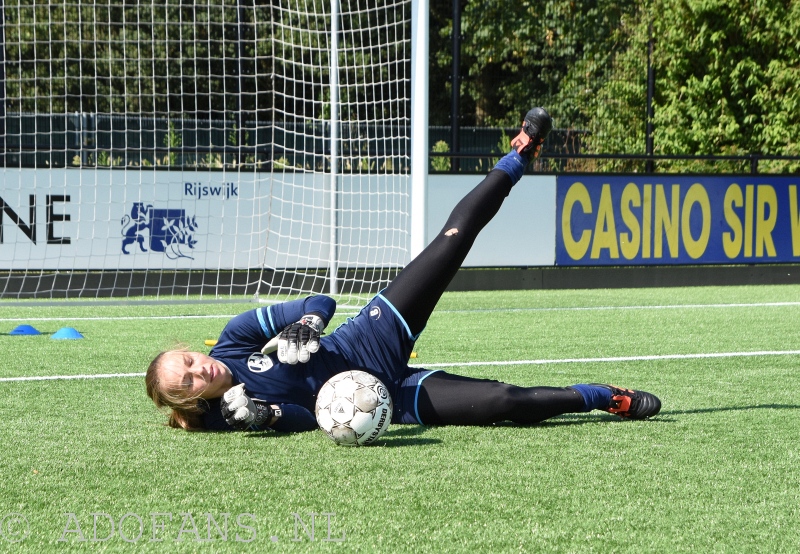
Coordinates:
<point>495,363</point>
<point>441,311</point>
<point>118,318</point>
<point>644,307</point>
<point>70,377</point>
<point>621,358</point>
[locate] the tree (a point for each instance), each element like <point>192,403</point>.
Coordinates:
<point>554,53</point>
<point>728,77</point>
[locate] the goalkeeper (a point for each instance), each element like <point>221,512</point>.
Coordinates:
<point>277,389</point>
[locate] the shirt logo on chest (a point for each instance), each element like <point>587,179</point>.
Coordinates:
<point>258,362</point>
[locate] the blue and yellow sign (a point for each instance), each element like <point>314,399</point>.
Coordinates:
<point>662,220</point>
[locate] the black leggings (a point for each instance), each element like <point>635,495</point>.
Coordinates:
<point>447,399</point>
<point>415,291</point>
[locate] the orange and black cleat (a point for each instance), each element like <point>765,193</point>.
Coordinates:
<point>632,404</point>
<point>535,128</point>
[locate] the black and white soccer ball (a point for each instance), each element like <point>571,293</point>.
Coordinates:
<point>354,408</point>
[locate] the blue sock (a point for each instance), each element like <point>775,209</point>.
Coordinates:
<point>513,164</point>
<point>595,398</point>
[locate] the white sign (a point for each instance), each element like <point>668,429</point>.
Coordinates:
<point>126,219</point>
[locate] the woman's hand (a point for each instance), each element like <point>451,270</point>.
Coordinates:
<point>242,412</point>
<point>299,340</point>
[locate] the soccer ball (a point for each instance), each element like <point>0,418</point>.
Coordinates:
<point>354,408</point>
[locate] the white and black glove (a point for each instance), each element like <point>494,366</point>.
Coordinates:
<point>299,340</point>
<point>242,412</point>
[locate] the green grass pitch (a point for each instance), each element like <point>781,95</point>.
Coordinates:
<point>87,464</point>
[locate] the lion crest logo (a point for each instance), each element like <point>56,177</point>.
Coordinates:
<point>169,231</point>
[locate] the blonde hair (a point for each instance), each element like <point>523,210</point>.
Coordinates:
<point>185,412</point>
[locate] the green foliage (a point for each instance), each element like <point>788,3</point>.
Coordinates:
<point>552,53</point>
<point>503,146</point>
<point>172,140</point>
<point>440,163</point>
<point>281,163</point>
<point>233,136</point>
<point>79,58</point>
<point>212,160</point>
<point>105,159</point>
<point>727,71</point>
<point>727,77</point>
<point>726,74</point>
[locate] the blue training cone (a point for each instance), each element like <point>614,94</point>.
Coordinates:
<point>25,330</point>
<point>67,333</point>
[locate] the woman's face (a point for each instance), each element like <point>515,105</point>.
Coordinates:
<point>195,373</point>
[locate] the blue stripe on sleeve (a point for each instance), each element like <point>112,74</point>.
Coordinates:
<point>260,314</point>
<point>272,327</point>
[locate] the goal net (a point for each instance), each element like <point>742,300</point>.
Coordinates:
<point>215,149</point>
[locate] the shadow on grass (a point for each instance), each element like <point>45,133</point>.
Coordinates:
<point>730,409</point>
<point>667,416</point>
<point>401,435</point>
<point>407,435</point>
<point>411,435</point>
<point>565,420</point>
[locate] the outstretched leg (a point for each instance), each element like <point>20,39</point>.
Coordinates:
<point>416,290</point>
<point>446,399</point>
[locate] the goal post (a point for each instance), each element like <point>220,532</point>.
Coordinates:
<point>228,149</point>
<point>420,23</point>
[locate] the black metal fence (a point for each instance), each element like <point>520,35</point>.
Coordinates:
<point>91,140</point>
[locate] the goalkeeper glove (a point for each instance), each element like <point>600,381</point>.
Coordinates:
<point>299,340</point>
<point>242,412</point>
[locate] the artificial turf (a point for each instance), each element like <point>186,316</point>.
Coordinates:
<point>716,471</point>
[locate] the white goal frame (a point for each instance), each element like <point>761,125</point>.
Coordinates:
<point>193,220</point>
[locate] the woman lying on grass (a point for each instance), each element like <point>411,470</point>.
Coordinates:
<point>281,386</point>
